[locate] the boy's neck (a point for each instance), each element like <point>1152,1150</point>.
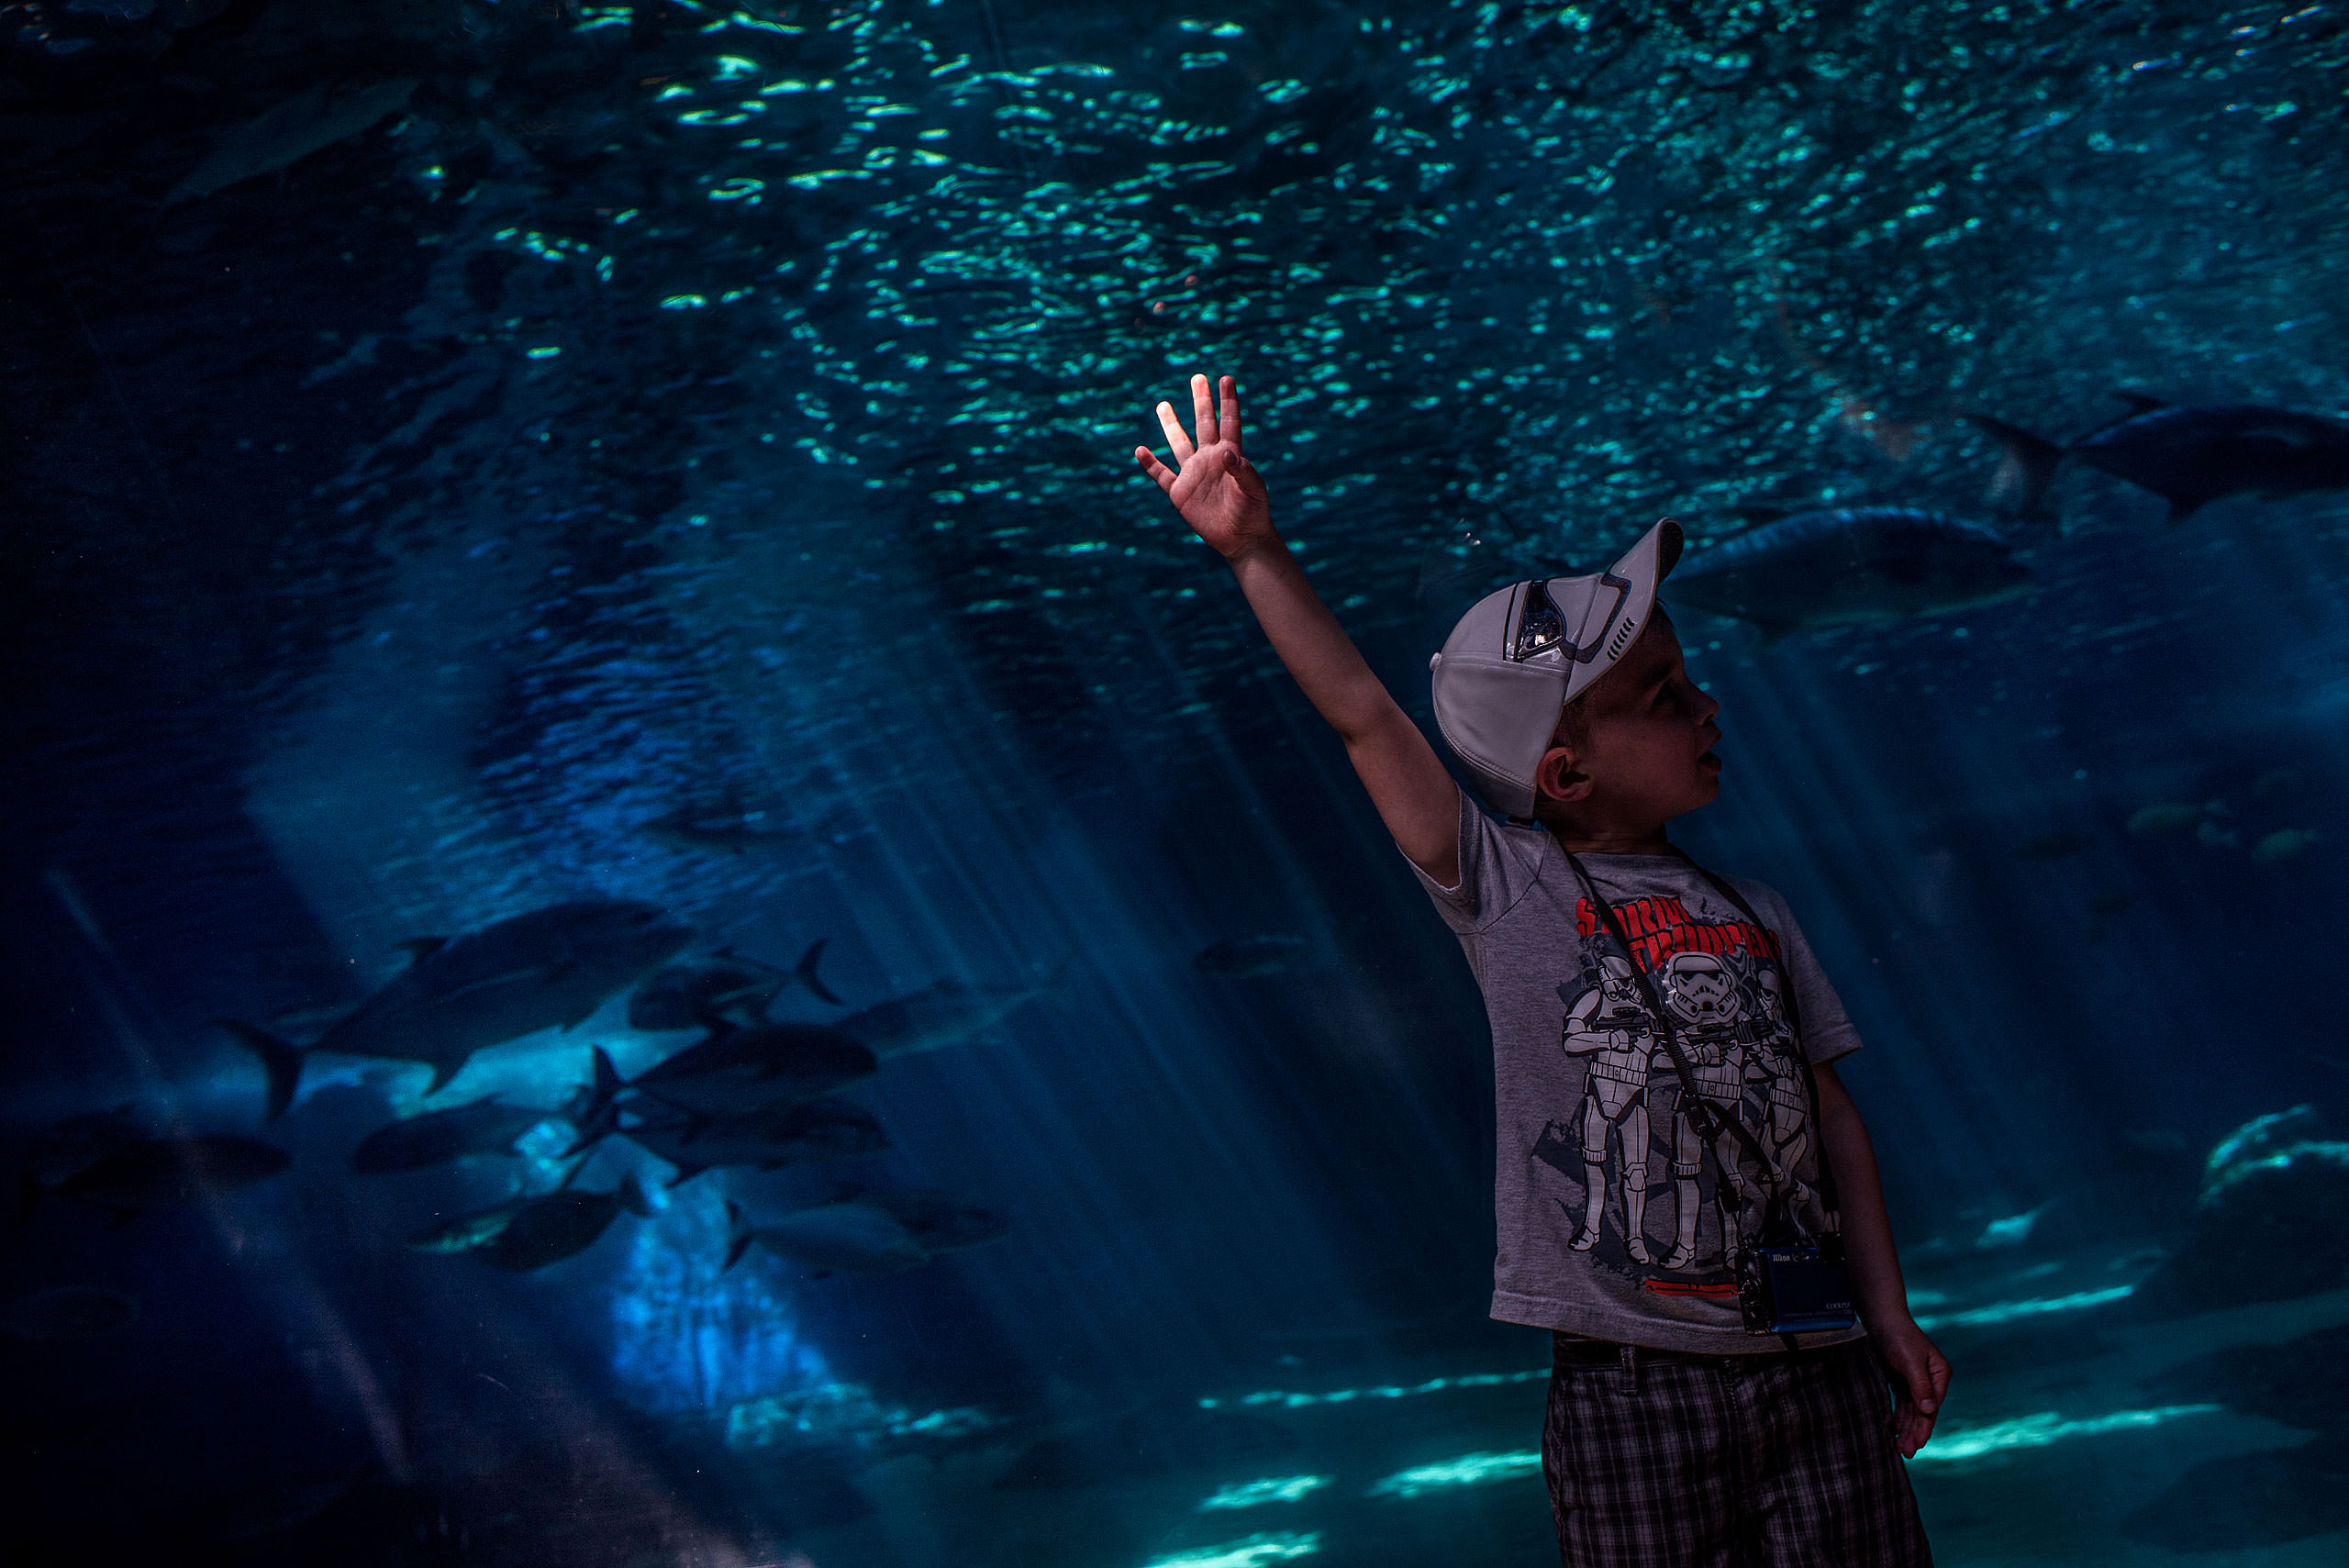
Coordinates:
<point>1610,840</point>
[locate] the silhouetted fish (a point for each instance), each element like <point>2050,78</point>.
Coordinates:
<point>734,1072</point>
<point>550,968</point>
<point>68,1312</point>
<point>79,1142</point>
<point>729,828</point>
<point>940,1221</point>
<point>162,1170</point>
<point>838,1237</point>
<point>2190,456</point>
<point>468,1232</point>
<point>1249,958</point>
<point>557,1224</point>
<point>687,996</point>
<point>302,124</point>
<point>435,1137</point>
<point>943,1013</point>
<point>790,1135</point>
<point>1857,565</point>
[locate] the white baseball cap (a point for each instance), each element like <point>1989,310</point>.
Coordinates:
<point>1520,655</point>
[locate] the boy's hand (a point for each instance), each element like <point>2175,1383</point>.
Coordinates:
<point>1218,493</point>
<point>1920,1377</point>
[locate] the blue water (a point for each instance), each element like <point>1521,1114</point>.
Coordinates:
<point>682,415</point>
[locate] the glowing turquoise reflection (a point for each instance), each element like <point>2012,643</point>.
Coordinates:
<point>1468,1469</point>
<point>2042,1429</point>
<point>1383,1391</point>
<point>1251,1494</point>
<point>1252,1552</point>
<point>2007,1311</point>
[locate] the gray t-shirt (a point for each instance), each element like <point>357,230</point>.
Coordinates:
<point>1610,1208</point>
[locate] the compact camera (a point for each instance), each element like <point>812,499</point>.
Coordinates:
<point>1798,1288</point>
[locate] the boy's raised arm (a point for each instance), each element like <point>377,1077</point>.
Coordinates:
<point>1223,499</point>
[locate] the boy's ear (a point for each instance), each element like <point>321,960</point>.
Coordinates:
<point>1557,778</point>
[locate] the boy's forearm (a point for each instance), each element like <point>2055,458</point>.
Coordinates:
<point>1319,654</point>
<point>1877,1288</point>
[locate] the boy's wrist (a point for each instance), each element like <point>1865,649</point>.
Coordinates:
<point>1880,1317</point>
<point>1268,546</point>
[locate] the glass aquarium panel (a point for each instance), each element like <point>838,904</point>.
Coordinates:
<point>661,913</point>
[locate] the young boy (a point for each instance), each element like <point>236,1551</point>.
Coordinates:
<point>1652,1024</point>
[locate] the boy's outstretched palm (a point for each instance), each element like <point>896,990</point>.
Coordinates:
<point>1216,490</point>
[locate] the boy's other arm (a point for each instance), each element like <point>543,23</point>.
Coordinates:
<point>1223,499</point>
<point>1921,1370</point>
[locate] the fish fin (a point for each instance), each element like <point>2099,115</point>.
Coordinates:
<point>696,1125</point>
<point>585,1139</point>
<point>598,1115</point>
<point>28,1194</point>
<point>686,1173</point>
<point>441,1072</point>
<point>2180,508</point>
<point>632,1197</point>
<point>281,1062</point>
<point>804,972</point>
<point>735,1248</point>
<point>732,954</point>
<point>420,948</point>
<point>2026,470</point>
<point>2139,403</point>
<point>712,1019</point>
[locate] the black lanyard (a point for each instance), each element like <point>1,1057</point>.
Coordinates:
<point>1700,1110</point>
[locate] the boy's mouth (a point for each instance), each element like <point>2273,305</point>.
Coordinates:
<point>1710,757</point>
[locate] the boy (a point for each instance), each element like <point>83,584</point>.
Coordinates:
<point>1662,1040</point>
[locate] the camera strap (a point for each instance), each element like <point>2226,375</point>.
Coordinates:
<point>1709,1122</point>
<point>1801,1054</point>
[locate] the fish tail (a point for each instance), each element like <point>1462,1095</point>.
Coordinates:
<point>594,1110</point>
<point>2025,473</point>
<point>281,1061</point>
<point>804,972</point>
<point>632,1197</point>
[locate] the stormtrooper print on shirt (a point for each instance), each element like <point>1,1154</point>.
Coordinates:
<point>1652,1196</point>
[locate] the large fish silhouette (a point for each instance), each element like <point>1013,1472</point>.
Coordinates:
<point>2188,455</point>
<point>1847,566</point>
<point>551,968</point>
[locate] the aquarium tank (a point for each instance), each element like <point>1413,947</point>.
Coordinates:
<point>659,912</point>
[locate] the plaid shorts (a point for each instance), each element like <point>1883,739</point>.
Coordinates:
<point>1662,1459</point>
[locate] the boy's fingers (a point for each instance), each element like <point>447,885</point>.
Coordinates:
<point>1231,426</point>
<point>1177,441</point>
<point>1155,469</point>
<point>1203,410</point>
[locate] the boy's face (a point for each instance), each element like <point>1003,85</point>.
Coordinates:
<point>1650,756</point>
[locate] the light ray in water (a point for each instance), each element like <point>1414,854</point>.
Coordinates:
<point>1468,1469</point>
<point>2039,1429</point>
<point>1277,1489</point>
